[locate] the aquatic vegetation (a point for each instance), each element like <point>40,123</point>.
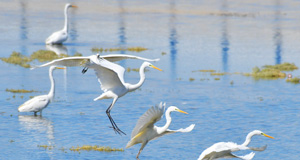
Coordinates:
<point>163,53</point>
<point>216,79</point>
<point>46,147</point>
<point>208,70</point>
<point>295,80</point>
<point>191,79</point>
<point>218,74</point>
<point>282,67</point>
<point>96,148</point>
<point>268,73</point>
<point>19,91</point>
<point>40,55</point>
<point>17,58</point>
<point>231,82</point>
<point>131,49</point>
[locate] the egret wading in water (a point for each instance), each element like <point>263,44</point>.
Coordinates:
<point>224,149</point>
<point>145,130</point>
<point>59,37</point>
<point>110,77</point>
<point>38,103</point>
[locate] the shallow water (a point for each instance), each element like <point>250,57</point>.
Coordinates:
<point>225,36</point>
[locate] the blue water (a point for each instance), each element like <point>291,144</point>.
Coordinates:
<point>221,35</point>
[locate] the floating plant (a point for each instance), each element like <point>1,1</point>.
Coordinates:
<point>132,49</point>
<point>282,67</point>
<point>95,148</point>
<point>208,70</point>
<point>267,73</point>
<point>295,80</point>
<point>17,58</point>
<point>19,91</point>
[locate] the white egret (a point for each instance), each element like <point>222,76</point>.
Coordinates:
<point>59,37</point>
<point>224,149</point>
<point>145,130</point>
<point>38,103</point>
<point>110,77</point>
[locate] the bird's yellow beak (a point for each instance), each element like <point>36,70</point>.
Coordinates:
<point>74,6</point>
<point>60,67</point>
<point>268,136</point>
<point>182,111</point>
<point>156,68</point>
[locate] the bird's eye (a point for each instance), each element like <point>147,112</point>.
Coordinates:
<point>262,133</point>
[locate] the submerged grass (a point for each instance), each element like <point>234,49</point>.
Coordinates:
<point>17,58</point>
<point>40,55</point>
<point>203,70</point>
<point>266,73</point>
<point>132,49</point>
<point>19,90</point>
<point>295,80</point>
<point>282,67</point>
<point>96,148</point>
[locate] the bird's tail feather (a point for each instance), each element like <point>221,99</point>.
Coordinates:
<point>248,156</point>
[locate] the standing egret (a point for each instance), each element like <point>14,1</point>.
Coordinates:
<point>145,130</point>
<point>110,77</point>
<point>59,37</point>
<point>224,149</point>
<point>38,103</point>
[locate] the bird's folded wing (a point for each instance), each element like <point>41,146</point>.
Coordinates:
<point>148,119</point>
<point>110,75</point>
<point>68,61</point>
<point>188,129</point>
<point>119,57</point>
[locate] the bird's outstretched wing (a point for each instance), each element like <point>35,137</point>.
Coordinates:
<point>119,57</point>
<point>148,119</point>
<point>110,75</point>
<point>188,129</point>
<point>245,157</point>
<point>68,61</point>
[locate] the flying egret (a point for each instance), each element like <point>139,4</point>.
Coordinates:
<point>59,37</point>
<point>224,149</point>
<point>110,77</point>
<point>145,130</point>
<point>38,103</point>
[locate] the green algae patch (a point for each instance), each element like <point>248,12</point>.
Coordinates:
<point>46,147</point>
<point>17,58</point>
<point>131,49</point>
<point>266,73</point>
<point>218,74</point>
<point>295,80</point>
<point>203,70</point>
<point>45,55</point>
<point>19,91</point>
<point>191,79</point>
<point>96,148</point>
<point>282,67</point>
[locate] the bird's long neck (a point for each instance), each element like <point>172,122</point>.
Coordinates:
<point>248,139</point>
<point>66,27</point>
<point>133,87</point>
<point>168,122</point>
<point>52,89</point>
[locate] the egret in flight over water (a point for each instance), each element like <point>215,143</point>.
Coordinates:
<point>110,77</point>
<point>224,149</point>
<point>59,37</point>
<point>145,130</point>
<point>38,103</point>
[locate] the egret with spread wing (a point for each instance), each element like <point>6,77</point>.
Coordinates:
<point>60,36</point>
<point>38,103</point>
<point>110,76</point>
<point>145,130</point>
<point>224,149</point>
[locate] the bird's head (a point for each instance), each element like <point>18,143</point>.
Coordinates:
<point>147,64</point>
<point>55,67</point>
<point>68,5</point>
<point>258,132</point>
<point>174,108</point>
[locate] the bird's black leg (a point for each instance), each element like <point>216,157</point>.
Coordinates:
<point>114,125</point>
<point>84,70</point>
